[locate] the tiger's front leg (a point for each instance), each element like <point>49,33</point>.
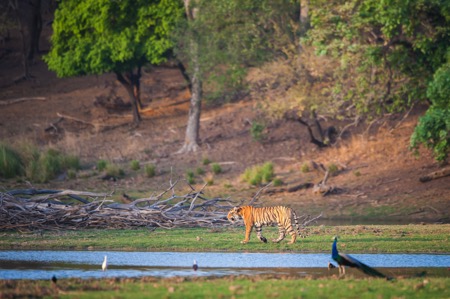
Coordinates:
<point>259,233</point>
<point>248,230</point>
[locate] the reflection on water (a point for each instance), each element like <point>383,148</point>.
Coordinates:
<point>87,264</point>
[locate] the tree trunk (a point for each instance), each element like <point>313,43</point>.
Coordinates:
<point>131,82</point>
<point>193,125</point>
<point>30,21</point>
<point>304,16</point>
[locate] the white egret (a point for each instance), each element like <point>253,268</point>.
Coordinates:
<point>105,264</point>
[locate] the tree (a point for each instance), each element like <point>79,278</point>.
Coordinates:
<point>433,129</point>
<point>195,85</point>
<point>28,14</point>
<point>100,36</point>
<point>386,51</point>
<point>219,40</point>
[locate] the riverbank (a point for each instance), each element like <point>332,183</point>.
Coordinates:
<point>431,238</point>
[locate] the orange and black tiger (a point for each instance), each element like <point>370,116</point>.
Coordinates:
<point>258,217</point>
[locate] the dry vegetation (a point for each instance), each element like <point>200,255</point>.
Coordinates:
<point>377,177</point>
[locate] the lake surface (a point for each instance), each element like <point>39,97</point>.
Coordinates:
<point>87,264</point>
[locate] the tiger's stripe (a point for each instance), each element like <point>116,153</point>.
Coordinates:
<point>257,217</point>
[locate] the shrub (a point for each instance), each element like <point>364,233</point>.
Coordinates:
<point>37,166</point>
<point>114,171</point>
<point>257,131</point>
<point>150,170</point>
<point>277,182</point>
<point>101,165</point>
<point>71,162</point>
<point>209,180</point>
<point>260,173</point>
<point>206,161</point>
<point>10,162</point>
<point>216,169</point>
<point>305,168</point>
<point>267,172</point>
<point>333,169</point>
<point>190,177</point>
<point>134,164</point>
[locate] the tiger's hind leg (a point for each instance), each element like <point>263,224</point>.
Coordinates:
<point>259,233</point>
<point>293,235</point>
<point>281,234</point>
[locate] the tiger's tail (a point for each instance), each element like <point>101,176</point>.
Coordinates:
<point>297,225</point>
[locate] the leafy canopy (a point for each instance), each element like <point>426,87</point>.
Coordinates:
<point>387,50</point>
<point>98,36</point>
<point>231,36</point>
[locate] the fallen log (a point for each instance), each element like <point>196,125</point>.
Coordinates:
<point>435,175</point>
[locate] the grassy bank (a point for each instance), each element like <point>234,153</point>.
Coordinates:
<point>359,238</point>
<point>231,287</point>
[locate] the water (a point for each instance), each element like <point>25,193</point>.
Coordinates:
<point>87,264</point>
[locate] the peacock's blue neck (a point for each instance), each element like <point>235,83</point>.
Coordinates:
<point>334,251</point>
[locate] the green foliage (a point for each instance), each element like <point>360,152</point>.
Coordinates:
<point>438,91</point>
<point>258,174</point>
<point>333,169</point>
<point>39,166</point>
<point>71,162</point>
<point>206,161</point>
<point>257,131</point>
<point>150,170</point>
<point>98,36</point>
<point>216,168</point>
<point>385,52</point>
<point>101,164</point>
<point>47,166</point>
<point>134,164</point>
<point>433,131</point>
<point>10,162</point>
<point>190,177</point>
<point>277,182</point>
<point>305,168</point>
<point>230,36</point>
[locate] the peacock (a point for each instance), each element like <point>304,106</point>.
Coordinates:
<point>346,260</point>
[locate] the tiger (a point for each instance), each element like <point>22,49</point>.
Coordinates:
<point>258,217</point>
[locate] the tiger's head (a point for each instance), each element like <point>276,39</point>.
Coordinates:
<point>233,214</point>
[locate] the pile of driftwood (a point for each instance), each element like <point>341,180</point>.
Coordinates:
<point>32,209</point>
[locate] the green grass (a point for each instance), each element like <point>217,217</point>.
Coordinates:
<point>353,239</point>
<point>229,287</point>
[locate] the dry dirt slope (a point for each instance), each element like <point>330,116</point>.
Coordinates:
<point>378,180</point>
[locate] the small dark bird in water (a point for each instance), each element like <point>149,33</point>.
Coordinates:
<point>54,279</point>
<point>346,260</point>
<point>331,266</point>
<point>195,266</point>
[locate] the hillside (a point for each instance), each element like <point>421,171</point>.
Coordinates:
<point>378,179</point>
